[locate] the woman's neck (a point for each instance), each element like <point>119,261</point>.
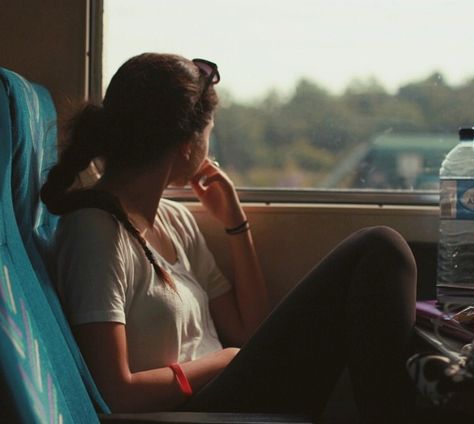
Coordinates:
<point>138,192</point>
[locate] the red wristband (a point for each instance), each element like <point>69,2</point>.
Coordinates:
<point>182,380</point>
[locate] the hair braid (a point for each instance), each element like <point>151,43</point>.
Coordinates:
<point>109,203</point>
<point>162,274</point>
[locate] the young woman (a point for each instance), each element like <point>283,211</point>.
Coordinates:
<point>149,307</point>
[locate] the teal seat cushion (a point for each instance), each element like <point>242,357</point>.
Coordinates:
<point>34,339</point>
<point>24,359</point>
<point>34,140</point>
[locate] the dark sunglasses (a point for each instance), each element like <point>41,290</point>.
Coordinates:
<point>209,71</point>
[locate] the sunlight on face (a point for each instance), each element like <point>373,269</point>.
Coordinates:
<point>198,151</point>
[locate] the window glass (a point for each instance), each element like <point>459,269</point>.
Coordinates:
<point>363,94</point>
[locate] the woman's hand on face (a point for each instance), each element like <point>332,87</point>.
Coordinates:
<point>217,193</point>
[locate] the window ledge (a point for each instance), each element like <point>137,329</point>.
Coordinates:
<point>308,196</point>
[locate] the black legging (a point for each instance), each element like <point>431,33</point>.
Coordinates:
<point>356,308</point>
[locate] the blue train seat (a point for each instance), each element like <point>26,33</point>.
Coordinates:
<point>39,358</point>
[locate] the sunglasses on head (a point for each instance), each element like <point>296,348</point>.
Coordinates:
<point>209,71</point>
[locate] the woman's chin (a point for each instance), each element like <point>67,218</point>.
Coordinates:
<point>179,183</point>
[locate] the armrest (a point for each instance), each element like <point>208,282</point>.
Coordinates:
<point>202,418</point>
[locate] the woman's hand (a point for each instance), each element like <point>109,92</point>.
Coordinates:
<point>217,193</point>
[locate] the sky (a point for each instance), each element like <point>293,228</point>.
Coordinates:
<point>261,45</point>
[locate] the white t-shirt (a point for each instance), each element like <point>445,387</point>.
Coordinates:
<point>102,274</point>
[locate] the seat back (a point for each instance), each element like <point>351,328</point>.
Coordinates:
<point>41,366</point>
<point>34,153</point>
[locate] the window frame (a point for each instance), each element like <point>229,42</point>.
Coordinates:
<point>317,195</point>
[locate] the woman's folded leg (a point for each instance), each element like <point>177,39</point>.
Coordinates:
<point>355,308</point>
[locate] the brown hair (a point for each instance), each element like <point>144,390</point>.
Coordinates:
<point>153,103</point>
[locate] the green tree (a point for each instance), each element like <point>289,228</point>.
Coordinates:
<point>279,141</point>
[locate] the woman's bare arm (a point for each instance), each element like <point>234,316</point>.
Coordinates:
<point>104,347</point>
<point>238,313</point>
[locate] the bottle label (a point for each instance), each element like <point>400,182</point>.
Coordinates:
<point>457,201</point>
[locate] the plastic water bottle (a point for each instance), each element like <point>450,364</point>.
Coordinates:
<point>456,237</point>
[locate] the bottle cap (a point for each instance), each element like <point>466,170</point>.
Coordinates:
<point>466,134</point>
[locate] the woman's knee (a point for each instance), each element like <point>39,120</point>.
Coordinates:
<point>390,246</point>
<point>390,270</point>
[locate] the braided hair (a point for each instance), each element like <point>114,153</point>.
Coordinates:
<point>107,202</point>
<point>153,103</point>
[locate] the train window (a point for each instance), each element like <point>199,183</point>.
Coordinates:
<point>318,94</point>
